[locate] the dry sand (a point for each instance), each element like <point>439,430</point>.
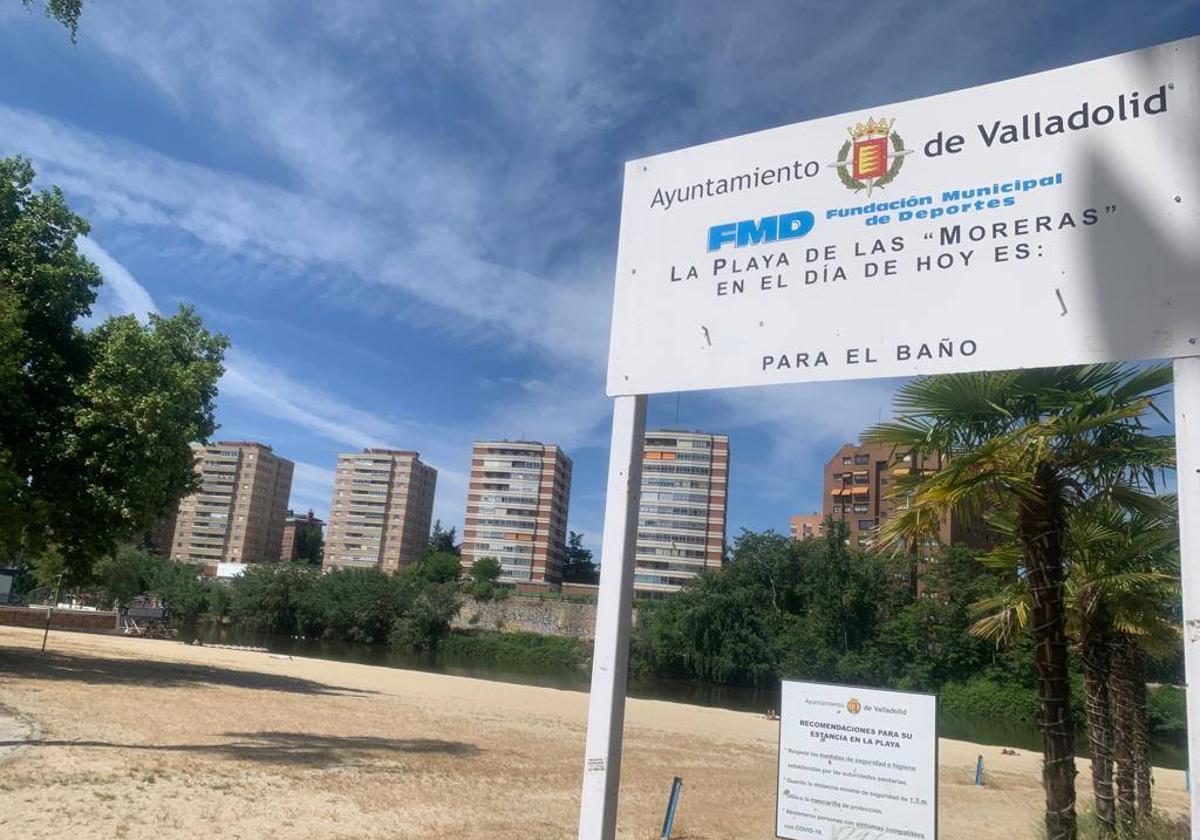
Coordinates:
<point>132,738</point>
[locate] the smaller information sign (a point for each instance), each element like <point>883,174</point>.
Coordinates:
<point>856,763</point>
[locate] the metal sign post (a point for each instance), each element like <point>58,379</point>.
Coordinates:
<point>1187,471</point>
<point>610,655</point>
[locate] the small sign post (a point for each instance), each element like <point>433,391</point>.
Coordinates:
<point>856,761</point>
<point>672,805</point>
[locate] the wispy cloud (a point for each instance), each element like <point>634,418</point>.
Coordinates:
<point>454,170</point>
<point>121,294</point>
<point>270,391</point>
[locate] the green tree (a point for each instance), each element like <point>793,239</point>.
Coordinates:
<point>310,543</point>
<point>354,605</point>
<point>440,567</point>
<point>182,588</point>
<point>578,566</point>
<point>807,610</point>
<point>485,573</point>
<point>122,576</point>
<point>923,645</point>
<point>94,426</point>
<point>66,12</point>
<point>1034,443</point>
<point>442,541</point>
<point>425,620</point>
<point>273,597</point>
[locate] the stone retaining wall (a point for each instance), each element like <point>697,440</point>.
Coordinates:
<point>547,616</point>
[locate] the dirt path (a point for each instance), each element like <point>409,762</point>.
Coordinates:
<point>154,739</point>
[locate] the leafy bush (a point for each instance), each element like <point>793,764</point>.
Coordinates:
<point>424,621</point>
<point>441,567</point>
<point>530,649</point>
<point>983,698</point>
<point>354,605</point>
<point>816,610</point>
<point>485,572</point>
<point>1167,707</point>
<point>273,598</point>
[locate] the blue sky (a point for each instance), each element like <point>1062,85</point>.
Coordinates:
<point>405,214</point>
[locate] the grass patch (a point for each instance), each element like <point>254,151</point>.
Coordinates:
<point>1158,826</point>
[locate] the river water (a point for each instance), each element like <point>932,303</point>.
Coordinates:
<point>737,698</point>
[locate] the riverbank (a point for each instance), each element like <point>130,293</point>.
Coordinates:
<point>156,739</point>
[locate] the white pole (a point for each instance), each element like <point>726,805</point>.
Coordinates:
<point>610,656</point>
<point>1187,456</point>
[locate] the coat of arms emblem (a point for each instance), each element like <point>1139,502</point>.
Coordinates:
<point>872,157</point>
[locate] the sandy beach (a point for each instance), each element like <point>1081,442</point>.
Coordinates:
<point>132,738</point>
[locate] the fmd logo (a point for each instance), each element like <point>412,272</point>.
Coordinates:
<point>767,229</point>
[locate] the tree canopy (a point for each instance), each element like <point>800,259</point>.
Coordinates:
<point>66,12</point>
<point>443,541</point>
<point>95,426</point>
<point>578,566</point>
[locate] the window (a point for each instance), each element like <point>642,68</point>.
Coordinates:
<point>861,478</point>
<point>860,507</point>
<point>866,524</point>
<point>862,458</point>
<point>837,476</point>
<point>837,508</point>
<point>847,461</point>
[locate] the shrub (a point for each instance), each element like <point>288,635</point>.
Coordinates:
<point>425,618</point>
<point>984,698</point>
<point>1167,707</point>
<point>531,649</point>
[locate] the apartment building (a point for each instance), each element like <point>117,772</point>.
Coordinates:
<point>236,516</point>
<point>681,521</point>
<point>293,524</point>
<point>857,490</point>
<point>806,525</point>
<point>517,510</point>
<point>381,510</point>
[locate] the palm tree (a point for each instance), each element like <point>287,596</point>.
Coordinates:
<point>1035,443</point>
<point>1125,580</point>
<point>1121,574</point>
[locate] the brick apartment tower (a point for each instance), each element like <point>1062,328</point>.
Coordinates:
<point>237,514</point>
<point>806,525</point>
<point>293,523</point>
<point>856,490</point>
<point>517,510</point>
<point>381,510</point>
<point>681,526</point>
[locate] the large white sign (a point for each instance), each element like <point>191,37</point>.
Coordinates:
<point>856,763</point>
<point>1050,219</point>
